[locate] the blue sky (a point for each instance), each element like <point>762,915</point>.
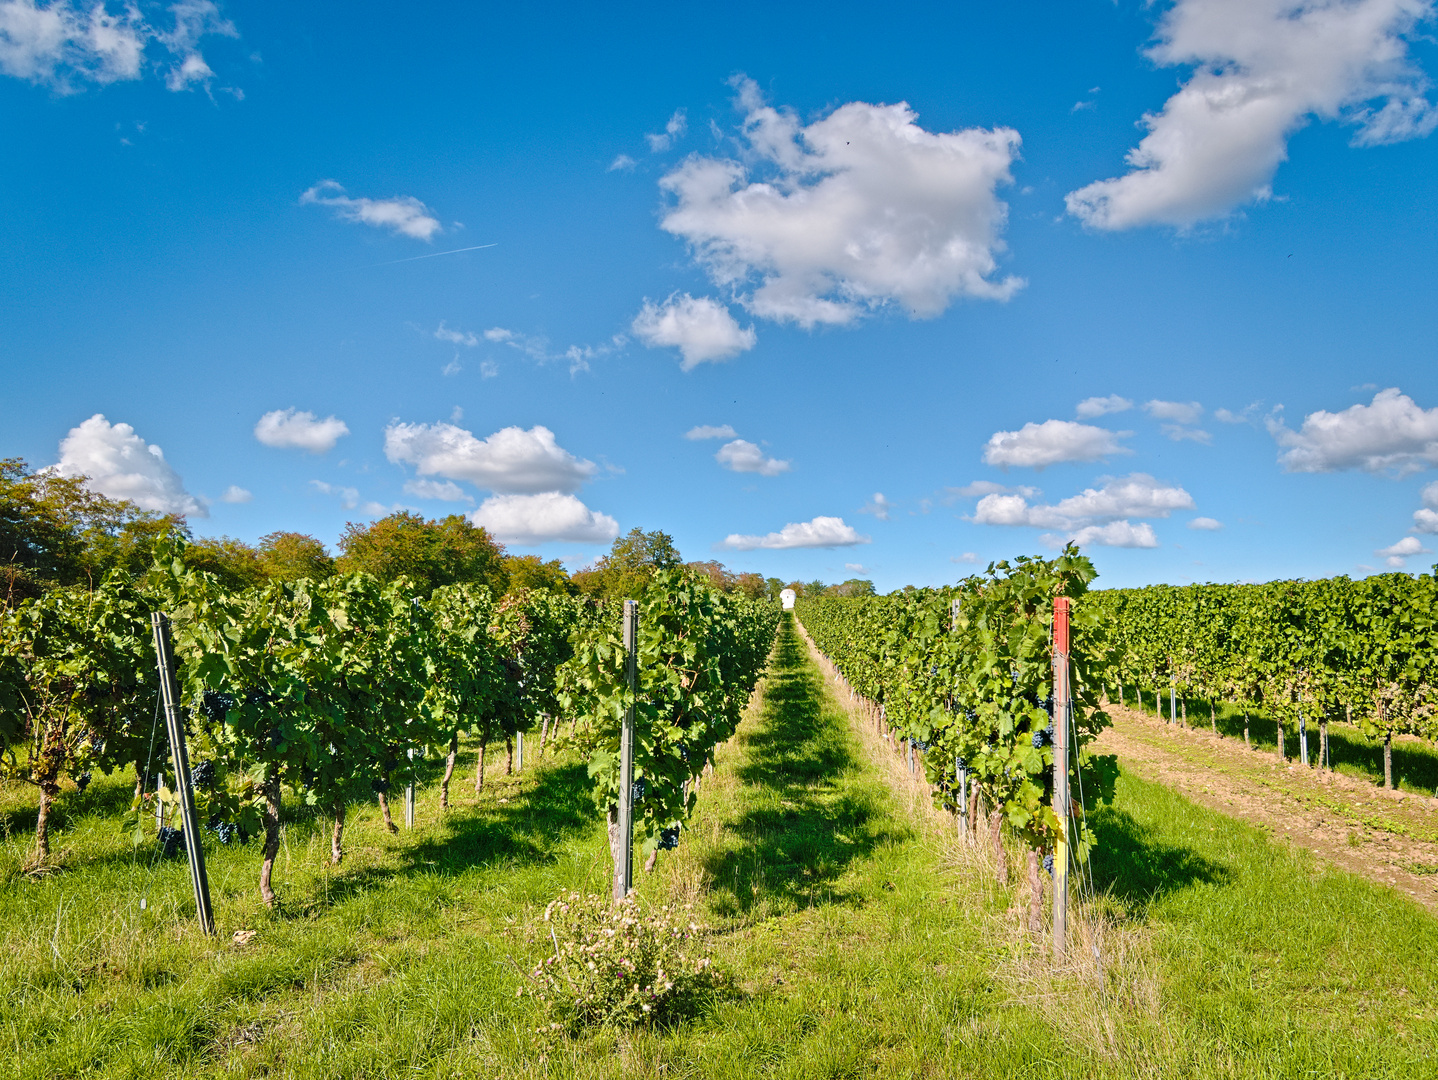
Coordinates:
<point>950,283</point>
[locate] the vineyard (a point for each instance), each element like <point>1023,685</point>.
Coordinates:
<point>1304,652</point>
<point>338,690</point>
<point>827,808</point>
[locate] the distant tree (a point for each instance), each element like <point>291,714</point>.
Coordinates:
<point>289,556</point>
<point>813,588</point>
<point>233,562</point>
<point>625,572</point>
<point>429,553</point>
<point>717,574</point>
<point>55,531</point>
<point>531,572</point>
<point>854,587</point>
<point>775,587</point>
<point>752,585</point>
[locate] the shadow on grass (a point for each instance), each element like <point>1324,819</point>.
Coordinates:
<point>795,852</point>
<point>1135,867</point>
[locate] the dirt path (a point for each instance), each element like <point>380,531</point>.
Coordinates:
<point>1387,836</point>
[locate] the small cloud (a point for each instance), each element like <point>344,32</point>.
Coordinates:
<point>1051,443</point>
<point>702,329</point>
<point>968,558</point>
<point>1207,524</point>
<point>402,215</point>
<point>857,568</point>
<point>708,431</point>
<point>1179,434</point>
<point>456,337</point>
<point>294,430</point>
<point>988,487</point>
<point>1395,555</point>
<point>745,457</point>
<point>454,367</point>
<point>878,506</point>
<point>622,163</point>
<point>1089,408</point>
<point>1243,416</point>
<point>673,131</point>
<point>488,369</point>
<point>821,532</point>
<point>236,494</point>
<point>1179,412</point>
<point>348,496</point>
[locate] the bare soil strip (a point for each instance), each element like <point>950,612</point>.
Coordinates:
<point>1387,836</point>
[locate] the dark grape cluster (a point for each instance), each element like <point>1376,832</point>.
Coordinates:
<point>1044,738</point>
<point>637,790</point>
<point>961,764</point>
<point>669,838</point>
<point>171,841</point>
<point>215,704</point>
<point>226,832</point>
<point>919,744</point>
<point>1049,865</point>
<point>203,775</point>
<point>83,780</point>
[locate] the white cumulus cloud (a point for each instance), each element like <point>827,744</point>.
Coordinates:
<point>403,215</point>
<point>1120,534</point>
<point>1206,524</point>
<point>1050,443</point>
<point>823,222</point>
<point>1391,434</point>
<point>1425,520</point>
<point>1092,407</point>
<point>709,431</point>
<point>743,456</point>
<point>236,494</point>
<point>120,464</point>
<point>822,532</point>
<point>512,460</point>
<point>1096,515</point>
<point>1395,555</point>
<point>295,430</point>
<point>701,329</point>
<point>550,515</point>
<point>1262,69</point>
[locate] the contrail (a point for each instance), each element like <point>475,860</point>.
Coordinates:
<point>433,255</point>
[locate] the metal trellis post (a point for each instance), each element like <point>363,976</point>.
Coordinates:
<point>169,697</point>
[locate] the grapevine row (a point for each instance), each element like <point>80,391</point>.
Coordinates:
<point>333,689</point>
<point>965,675</point>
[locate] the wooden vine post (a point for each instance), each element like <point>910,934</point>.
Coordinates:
<point>1062,708</point>
<point>169,700</point>
<point>623,841</point>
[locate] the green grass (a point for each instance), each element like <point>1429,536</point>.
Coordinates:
<point>1415,762</point>
<point>864,943</point>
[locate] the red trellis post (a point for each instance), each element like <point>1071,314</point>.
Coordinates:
<point>1062,707</point>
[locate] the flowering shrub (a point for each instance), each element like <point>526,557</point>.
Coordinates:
<point>615,965</point>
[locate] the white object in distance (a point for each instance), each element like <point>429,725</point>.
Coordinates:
<point>787,598</point>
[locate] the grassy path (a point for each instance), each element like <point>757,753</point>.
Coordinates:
<point>865,943</point>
